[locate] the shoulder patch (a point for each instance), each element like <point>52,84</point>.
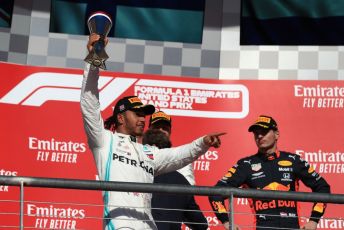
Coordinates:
<point>147,148</point>
<point>256,167</point>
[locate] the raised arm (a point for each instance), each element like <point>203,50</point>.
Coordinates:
<point>90,107</point>
<point>89,101</point>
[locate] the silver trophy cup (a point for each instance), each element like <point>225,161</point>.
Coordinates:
<point>99,23</point>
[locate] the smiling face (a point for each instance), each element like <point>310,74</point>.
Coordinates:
<point>132,122</point>
<point>266,139</point>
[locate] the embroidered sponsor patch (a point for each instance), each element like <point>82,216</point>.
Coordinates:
<point>134,100</point>
<point>219,206</point>
<point>148,150</point>
<point>319,207</point>
<point>285,163</point>
<point>256,167</point>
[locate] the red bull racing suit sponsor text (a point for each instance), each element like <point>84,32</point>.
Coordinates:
<point>261,205</point>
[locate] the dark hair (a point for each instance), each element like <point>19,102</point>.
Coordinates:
<point>157,138</point>
<point>111,123</point>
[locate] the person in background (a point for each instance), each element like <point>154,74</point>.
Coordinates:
<point>272,169</point>
<point>162,121</point>
<point>119,157</point>
<point>170,210</point>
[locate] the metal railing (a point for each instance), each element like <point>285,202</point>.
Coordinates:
<point>162,188</point>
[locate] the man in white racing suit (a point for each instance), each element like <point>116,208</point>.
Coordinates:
<point>120,158</point>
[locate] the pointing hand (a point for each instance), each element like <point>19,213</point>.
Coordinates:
<point>213,139</point>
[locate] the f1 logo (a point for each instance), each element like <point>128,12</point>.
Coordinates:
<point>39,88</point>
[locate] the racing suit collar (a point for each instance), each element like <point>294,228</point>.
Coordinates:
<point>130,137</point>
<point>270,157</point>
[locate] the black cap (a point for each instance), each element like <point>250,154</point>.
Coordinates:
<point>160,116</point>
<point>132,103</point>
<point>264,122</point>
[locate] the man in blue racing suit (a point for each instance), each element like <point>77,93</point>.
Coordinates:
<point>119,157</point>
<point>271,169</point>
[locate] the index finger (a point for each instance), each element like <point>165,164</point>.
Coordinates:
<point>217,134</point>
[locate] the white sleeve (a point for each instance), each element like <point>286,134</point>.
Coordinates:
<point>188,173</point>
<point>171,159</point>
<point>90,108</point>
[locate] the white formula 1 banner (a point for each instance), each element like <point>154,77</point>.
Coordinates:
<point>176,98</point>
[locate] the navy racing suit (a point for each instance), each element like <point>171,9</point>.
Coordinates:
<point>279,171</point>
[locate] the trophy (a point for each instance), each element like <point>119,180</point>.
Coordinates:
<point>99,23</point>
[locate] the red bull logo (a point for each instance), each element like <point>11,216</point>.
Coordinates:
<point>274,186</point>
<point>319,207</point>
<point>218,206</point>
